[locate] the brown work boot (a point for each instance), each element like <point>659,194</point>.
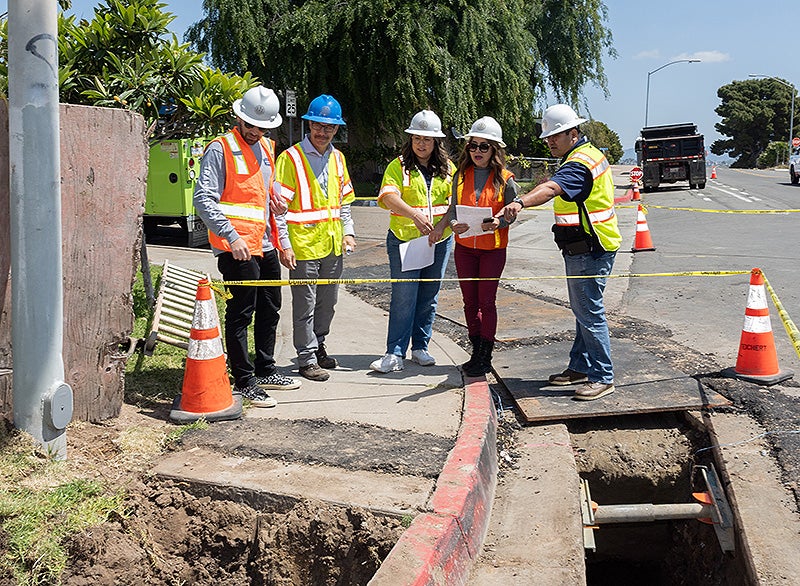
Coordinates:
<point>324,360</point>
<point>568,377</point>
<point>592,391</point>
<point>314,372</point>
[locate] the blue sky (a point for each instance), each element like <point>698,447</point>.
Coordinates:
<point>733,39</point>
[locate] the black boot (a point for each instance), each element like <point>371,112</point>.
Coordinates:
<point>485,356</point>
<point>483,359</point>
<point>473,361</point>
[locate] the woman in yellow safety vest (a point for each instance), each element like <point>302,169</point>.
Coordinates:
<point>416,190</point>
<point>482,181</point>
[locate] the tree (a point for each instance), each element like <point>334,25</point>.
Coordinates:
<point>125,57</point>
<point>604,138</point>
<point>754,113</point>
<point>776,153</point>
<point>386,60</point>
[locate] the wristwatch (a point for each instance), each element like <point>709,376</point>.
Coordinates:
<point>519,201</point>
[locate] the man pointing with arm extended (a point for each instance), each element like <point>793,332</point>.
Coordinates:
<point>586,231</point>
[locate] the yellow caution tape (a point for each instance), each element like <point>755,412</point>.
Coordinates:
<point>290,282</point>
<point>705,211</point>
<point>788,324</point>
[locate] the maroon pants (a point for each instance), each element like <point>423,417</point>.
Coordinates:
<point>480,309</point>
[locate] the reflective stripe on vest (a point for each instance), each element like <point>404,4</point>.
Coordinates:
<point>238,155</point>
<point>594,217</point>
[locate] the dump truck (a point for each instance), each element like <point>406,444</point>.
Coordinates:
<point>174,167</point>
<point>671,153</point>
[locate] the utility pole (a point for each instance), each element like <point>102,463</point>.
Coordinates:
<point>42,400</point>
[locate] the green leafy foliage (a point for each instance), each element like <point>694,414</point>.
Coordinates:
<point>754,113</point>
<point>776,153</point>
<point>603,138</point>
<point>125,57</point>
<point>386,60</point>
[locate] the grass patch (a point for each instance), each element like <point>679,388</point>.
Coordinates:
<point>35,523</point>
<point>174,436</point>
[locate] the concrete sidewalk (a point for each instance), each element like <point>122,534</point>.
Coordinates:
<point>417,442</point>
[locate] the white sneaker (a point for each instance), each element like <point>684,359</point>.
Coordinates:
<point>422,357</point>
<point>389,363</point>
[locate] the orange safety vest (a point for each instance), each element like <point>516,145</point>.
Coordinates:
<point>465,195</point>
<point>244,198</point>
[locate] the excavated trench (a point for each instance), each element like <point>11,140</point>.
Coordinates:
<point>650,460</point>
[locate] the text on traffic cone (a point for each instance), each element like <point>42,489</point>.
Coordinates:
<point>643,241</point>
<point>757,354</point>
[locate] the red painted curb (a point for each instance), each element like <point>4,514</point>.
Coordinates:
<point>439,547</point>
<point>625,198</point>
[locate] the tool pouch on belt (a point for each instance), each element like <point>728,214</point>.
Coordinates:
<point>574,239</point>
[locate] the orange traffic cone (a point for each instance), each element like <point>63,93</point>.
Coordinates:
<point>643,241</point>
<point>713,171</point>
<point>636,195</point>
<point>206,392</point>
<point>757,360</point>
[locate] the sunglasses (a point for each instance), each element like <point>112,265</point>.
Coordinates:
<point>249,126</point>
<point>482,147</point>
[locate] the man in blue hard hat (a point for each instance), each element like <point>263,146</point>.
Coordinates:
<point>313,179</point>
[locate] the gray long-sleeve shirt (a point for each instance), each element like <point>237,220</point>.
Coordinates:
<point>208,192</point>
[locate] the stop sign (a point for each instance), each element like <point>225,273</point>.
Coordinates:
<point>636,174</point>
<point>796,142</point>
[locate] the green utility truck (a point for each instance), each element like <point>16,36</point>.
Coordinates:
<point>174,167</point>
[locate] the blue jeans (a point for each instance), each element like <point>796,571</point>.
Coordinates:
<point>413,305</point>
<point>591,350</point>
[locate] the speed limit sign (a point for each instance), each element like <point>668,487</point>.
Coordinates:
<point>796,142</point>
<point>291,104</point>
<point>636,174</point>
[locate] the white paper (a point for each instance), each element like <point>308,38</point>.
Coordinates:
<point>474,218</point>
<point>416,254</point>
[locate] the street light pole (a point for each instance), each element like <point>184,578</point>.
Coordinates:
<point>791,114</point>
<point>649,73</point>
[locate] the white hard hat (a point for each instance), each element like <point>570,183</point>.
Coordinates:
<point>259,106</point>
<point>559,118</point>
<point>487,127</point>
<point>425,123</point>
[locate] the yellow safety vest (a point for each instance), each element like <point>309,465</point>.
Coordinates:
<point>599,204</point>
<point>413,189</point>
<point>314,217</point>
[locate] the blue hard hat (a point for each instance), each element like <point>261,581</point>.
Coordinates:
<point>324,109</point>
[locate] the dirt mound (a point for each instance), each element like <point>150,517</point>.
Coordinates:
<point>170,536</point>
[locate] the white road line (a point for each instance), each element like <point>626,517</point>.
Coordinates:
<point>736,195</point>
